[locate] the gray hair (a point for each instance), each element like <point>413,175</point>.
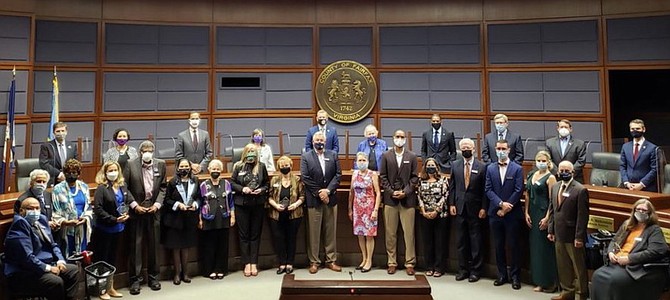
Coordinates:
<point>370,127</point>
<point>37,172</point>
<point>466,140</point>
<point>361,154</point>
<point>215,162</point>
<point>146,144</point>
<point>319,133</point>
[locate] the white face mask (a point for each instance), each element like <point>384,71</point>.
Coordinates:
<point>541,165</point>
<point>563,132</point>
<point>147,156</point>
<point>501,128</point>
<point>194,123</point>
<point>111,176</point>
<point>399,142</point>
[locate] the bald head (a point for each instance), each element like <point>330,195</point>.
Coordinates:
<point>29,204</point>
<point>565,166</point>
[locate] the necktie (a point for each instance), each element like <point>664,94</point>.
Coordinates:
<point>62,153</point>
<point>195,139</point>
<point>500,136</point>
<point>636,151</point>
<point>41,233</point>
<point>502,163</point>
<point>560,194</point>
<point>435,139</point>
<point>467,174</point>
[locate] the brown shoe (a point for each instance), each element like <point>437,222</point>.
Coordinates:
<point>333,266</point>
<point>410,271</point>
<point>391,270</point>
<point>562,297</point>
<point>313,268</point>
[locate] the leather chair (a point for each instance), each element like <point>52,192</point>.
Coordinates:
<point>236,156</point>
<point>666,183</point>
<point>11,293</point>
<point>23,169</point>
<point>605,171</point>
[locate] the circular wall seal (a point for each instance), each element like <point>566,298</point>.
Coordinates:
<point>346,90</point>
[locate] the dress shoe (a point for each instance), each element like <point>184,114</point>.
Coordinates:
<point>220,275</point>
<point>289,270</point>
<point>500,281</point>
<point>410,271</point>
<point>364,270</point>
<point>313,268</point>
<point>186,279</point>
<point>437,274</point>
<point>391,270</point>
<point>104,297</point>
<point>134,288</point>
<point>562,297</point>
<point>281,270</point>
<point>461,276</point>
<point>516,285</point>
<point>333,266</point>
<point>154,285</point>
<point>473,278</point>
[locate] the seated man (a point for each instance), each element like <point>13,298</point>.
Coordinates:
<point>33,261</point>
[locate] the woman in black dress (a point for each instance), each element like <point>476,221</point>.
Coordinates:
<point>180,218</point>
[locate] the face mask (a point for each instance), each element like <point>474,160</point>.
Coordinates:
<point>60,136</point>
<point>501,128</point>
<point>39,188</point>
<point>436,126</point>
<point>182,172</point>
<point>399,142</point>
<point>258,139</point>
<point>563,132</point>
<point>431,170</point>
<point>541,165</point>
<point>362,165</point>
<point>194,123</point>
<point>319,146</point>
<point>121,142</point>
<point>502,155</point>
<point>565,176</point>
<point>147,156</point>
<point>71,178</point>
<point>215,175</point>
<point>641,217</point>
<point>285,170</point>
<point>636,134</point>
<point>32,216</point>
<point>466,153</point>
<point>251,157</point>
<point>322,122</point>
<point>111,176</point>
<point>372,139</point>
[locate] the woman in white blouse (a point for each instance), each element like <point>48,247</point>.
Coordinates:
<point>263,149</point>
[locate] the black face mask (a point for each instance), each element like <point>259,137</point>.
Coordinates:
<point>215,175</point>
<point>285,170</point>
<point>466,153</point>
<point>71,178</point>
<point>431,170</point>
<point>565,176</point>
<point>182,172</point>
<point>319,146</point>
<point>436,126</point>
<point>636,134</point>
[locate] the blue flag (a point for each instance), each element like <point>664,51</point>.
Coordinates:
<point>54,106</point>
<point>9,145</point>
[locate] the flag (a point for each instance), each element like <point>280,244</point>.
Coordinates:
<point>9,144</point>
<point>54,106</point>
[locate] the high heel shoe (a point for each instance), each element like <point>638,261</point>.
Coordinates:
<point>281,270</point>
<point>254,270</point>
<point>289,270</point>
<point>247,270</point>
<point>186,279</point>
<point>364,270</point>
<point>176,280</point>
<point>219,275</point>
<point>212,276</point>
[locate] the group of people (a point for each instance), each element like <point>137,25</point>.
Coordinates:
<point>134,192</point>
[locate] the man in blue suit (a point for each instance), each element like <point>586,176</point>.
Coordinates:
<point>504,187</point>
<point>33,261</point>
<point>638,160</point>
<point>332,142</point>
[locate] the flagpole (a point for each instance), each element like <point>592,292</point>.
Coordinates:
<point>9,141</point>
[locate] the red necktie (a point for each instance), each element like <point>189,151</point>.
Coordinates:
<point>636,151</point>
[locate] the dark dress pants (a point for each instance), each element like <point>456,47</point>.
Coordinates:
<point>249,223</point>
<point>143,230</point>
<point>506,233</point>
<point>284,233</point>
<point>434,234</point>
<point>469,243</point>
<point>51,286</point>
<point>214,251</point>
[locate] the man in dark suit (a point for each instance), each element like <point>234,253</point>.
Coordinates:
<point>399,178</point>
<point>468,204</point>
<point>502,133</point>
<point>639,162</point>
<point>321,173</point>
<point>439,143</point>
<point>194,144</point>
<point>504,187</point>
<point>33,261</point>
<point>568,218</point>
<point>145,178</point>
<point>38,184</point>
<point>55,153</point>
<point>332,143</point>
<point>566,147</point>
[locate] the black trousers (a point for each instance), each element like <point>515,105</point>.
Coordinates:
<point>50,285</point>
<point>214,245</point>
<point>284,232</point>
<point>249,223</point>
<point>469,243</point>
<point>506,232</point>
<point>143,230</point>
<point>104,246</point>
<point>434,234</point>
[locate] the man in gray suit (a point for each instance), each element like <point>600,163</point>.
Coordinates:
<point>145,178</point>
<point>566,147</point>
<point>194,144</point>
<point>502,133</point>
<point>568,218</point>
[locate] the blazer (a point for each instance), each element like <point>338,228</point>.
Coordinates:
<point>51,163</point>
<point>171,216</point>
<point>444,153</point>
<point>104,204</point>
<point>25,251</point>
<point>389,173</point>
<point>314,179</point>
<point>510,190</point>
<point>238,182</point>
<point>568,221</point>
<point>46,208</point>
<point>515,147</point>
<point>297,194</point>
<point>650,248</point>
<point>641,170</point>
<point>470,200</point>
<point>380,147</point>
<point>135,183</point>
<point>332,143</point>
<point>575,153</point>
<point>184,148</point>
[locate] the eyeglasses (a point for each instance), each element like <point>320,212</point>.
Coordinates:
<point>642,210</point>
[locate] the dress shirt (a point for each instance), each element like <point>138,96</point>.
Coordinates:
<point>564,143</point>
<point>148,180</point>
<point>322,162</point>
<point>398,157</point>
<point>503,170</point>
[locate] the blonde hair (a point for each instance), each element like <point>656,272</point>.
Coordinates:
<point>101,176</point>
<point>550,164</point>
<point>501,116</point>
<point>284,159</point>
<point>248,148</point>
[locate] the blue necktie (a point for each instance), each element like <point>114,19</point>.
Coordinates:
<point>435,141</point>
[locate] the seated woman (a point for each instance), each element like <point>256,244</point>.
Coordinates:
<point>638,241</point>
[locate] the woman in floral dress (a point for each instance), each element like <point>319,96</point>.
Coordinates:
<point>364,200</point>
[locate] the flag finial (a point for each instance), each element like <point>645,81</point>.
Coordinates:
<point>54,70</point>
<point>14,71</point>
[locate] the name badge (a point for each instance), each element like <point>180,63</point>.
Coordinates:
<point>509,178</point>
<point>156,173</point>
<point>405,162</point>
<point>276,185</point>
<point>565,195</point>
<point>47,206</point>
<point>474,171</point>
<point>638,239</point>
<point>242,173</point>
<point>326,159</point>
<point>538,183</point>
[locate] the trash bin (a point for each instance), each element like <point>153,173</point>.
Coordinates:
<point>98,278</point>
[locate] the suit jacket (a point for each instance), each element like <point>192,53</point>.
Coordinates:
<point>173,217</point>
<point>515,147</point>
<point>52,163</point>
<point>25,251</point>
<point>444,152</point>
<point>314,179</point>
<point>46,208</point>
<point>510,190</point>
<point>641,170</point>
<point>650,248</point>
<point>568,221</point>
<point>332,143</point>
<point>470,200</point>
<point>135,183</point>
<point>104,204</point>
<point>406,175</point>
<point>575,153</point>
<point>200,155</point>
<point>238,181</point>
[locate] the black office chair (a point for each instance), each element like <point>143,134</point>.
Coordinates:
<point>11,294</point>
<point>605,171</point>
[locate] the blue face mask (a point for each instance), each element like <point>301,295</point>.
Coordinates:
<point>541,165</point>
<point>32,216</point>
<point>500,128</point>
<point>362,165</point>
<point>372,139</point>
<point>502,155</point>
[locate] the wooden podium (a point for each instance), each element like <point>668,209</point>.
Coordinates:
<point>417,288</point>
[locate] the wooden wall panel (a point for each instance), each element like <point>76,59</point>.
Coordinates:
<point>86,9</point>
<point>264,12</point>
<point>533,9</point>
<point>611,7</point>
<point>158,10</point>
<point>18,6</point>
<point>345,12</point>
<point>408,11</point>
